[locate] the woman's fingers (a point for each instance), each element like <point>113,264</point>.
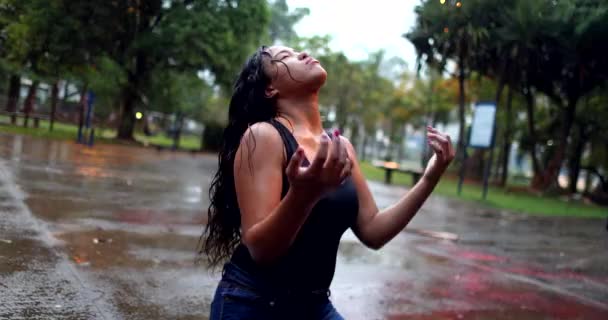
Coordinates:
<point>294,163</point>
<point>440,138</point>
<point>333,160</point>
<point>434,131</point>
<point>437,148</point>
<point>331,165</point>
<point>346,171</point>
<point>444,142</point>
<point>321,156</point>
<point>451,151</point>
<point>343,154</point>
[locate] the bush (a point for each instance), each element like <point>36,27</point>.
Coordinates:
<point>212,136</point>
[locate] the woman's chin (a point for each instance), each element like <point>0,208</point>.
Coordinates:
<point>318,77</point>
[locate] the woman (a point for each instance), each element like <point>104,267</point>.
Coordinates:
<point>286,191</point>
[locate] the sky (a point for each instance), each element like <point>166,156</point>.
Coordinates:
<point>359,27</point>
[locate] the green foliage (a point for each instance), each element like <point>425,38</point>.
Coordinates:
<point>171,92</point>
<point>40,39</point>
<point>282,22</point>
<point>124,49</point>
<point>105,79</point>
<point>536,47</point>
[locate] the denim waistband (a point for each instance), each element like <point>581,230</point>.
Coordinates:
<point>237,276</point>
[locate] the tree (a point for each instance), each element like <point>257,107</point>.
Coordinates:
<point>444,32</point>
<point>342,85</point>
<point>141,36</point>
<point>533,47</point>
<point>576,65</point>
<point>44,43</point>
<point>9,63</point>
<point>282,22</point>
<point>589,127</point>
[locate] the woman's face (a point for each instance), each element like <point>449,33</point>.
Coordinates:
<point>294,72</point>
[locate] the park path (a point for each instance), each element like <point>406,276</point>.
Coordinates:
<point>109,233</point>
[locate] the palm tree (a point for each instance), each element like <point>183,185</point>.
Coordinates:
<point>446,32</point>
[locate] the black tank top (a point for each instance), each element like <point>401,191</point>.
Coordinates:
<point>310,262</point>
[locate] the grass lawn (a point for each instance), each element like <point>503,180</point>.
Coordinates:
<point>60,131</point>
<point>498,198</point>
<point>189,142</point>
<point>63,131</point>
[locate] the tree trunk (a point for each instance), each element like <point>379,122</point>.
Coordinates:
<point>461,109</point>
<point>364,147</point>
<point>587,182</point>
<point>499,89</point>
<point>64,99</point>
<point>434,119</point>
<point>536,180</point>
<point>130,95</point>
<point>81,109</point>
<point>508,132</point>
<point>401,140</point>
<point>424,158</point>
<point>30,100</point>
<point>550,174</point>
<point>354,134</point>
<point>54,100</point>
<point>574,161</point>
<point>126,124</point>
<point>497,165</point>
<point>202,148</point>
<point>341,115</point>
<point>379,148</point>
<point>475,164</point>
<point>178,125</point>
<point>14,87</point>
<point>602,180</point>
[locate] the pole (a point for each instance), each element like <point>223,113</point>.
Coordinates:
<point>85,119</point>
<point>486,171</point>
<point>465,155</point>
<point>92,137</point>
<point>80,122</point>
<point>462,170</point>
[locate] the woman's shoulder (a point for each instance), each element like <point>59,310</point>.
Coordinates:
<point>263,137</point>
<point>263,131</point>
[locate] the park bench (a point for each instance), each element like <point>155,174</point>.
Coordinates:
<point>390,167</point>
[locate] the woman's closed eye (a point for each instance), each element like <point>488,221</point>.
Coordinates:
<point>283,54</point>
<point>281,58</point>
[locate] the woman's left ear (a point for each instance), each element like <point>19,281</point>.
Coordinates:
<point>271,92</point>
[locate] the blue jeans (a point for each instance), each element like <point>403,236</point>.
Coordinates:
<point>240,296</point>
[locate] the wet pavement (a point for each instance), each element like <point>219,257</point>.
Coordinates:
<point>110,233</point>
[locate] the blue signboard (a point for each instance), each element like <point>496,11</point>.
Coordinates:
<point>482,128</point>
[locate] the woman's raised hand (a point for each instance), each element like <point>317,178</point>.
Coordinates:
<point>330,167</point>
<point>441,144</point>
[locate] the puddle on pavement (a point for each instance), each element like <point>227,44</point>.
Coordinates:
<point>103,249</point>
<point>152,207</point>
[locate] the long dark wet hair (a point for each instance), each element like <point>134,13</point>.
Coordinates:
<point>248,105</point>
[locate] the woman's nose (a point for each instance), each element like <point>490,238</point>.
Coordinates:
<point>303,55</point>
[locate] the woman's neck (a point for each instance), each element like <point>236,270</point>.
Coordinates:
<point>302,113</point>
